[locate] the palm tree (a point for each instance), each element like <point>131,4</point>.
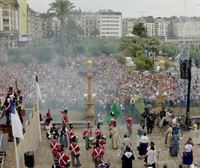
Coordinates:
<point>61,9</point>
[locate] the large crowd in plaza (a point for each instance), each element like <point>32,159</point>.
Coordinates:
<point>66,86</point>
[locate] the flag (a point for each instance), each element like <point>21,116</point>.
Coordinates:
<point>38,93</point>
<point>17,128</point>
<point>115,110</point>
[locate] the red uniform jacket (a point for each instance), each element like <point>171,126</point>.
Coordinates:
<point>63,159</point>
<point>129,121</point>
<point>97,152</point>
<point>53,142</point>
<point>101,143</point>
<point>65,119</point>
<point>98,132</point>
<point>75,149</point>
<point>87,133</point>
<point>56,149</point>
<point>71,133</point>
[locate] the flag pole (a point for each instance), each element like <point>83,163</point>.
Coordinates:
<point>38,115</point>
<point>16,153</point>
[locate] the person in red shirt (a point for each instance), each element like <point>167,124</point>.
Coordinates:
<point>87,133</point>
<point>70,132</point>
<point>100,141</point>
<point>129,123</point>
<point>75,153</point>
<point>97,155</point>
<point>63,159</point>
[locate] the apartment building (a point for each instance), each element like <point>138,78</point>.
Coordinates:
<point>8,23</point>
<point>35,25</point>
<point>110,23</point>
<point>127,26</point>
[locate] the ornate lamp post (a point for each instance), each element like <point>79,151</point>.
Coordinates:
<point>160,78</point>
<point>90,100</point>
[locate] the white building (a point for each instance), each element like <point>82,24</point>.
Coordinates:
<point>110,23</point>
<point>150,27</point>
<point>128,25</point>
<point>89,24</point>
<point>188,29</point>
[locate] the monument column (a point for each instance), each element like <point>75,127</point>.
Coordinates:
<point>90,100</point>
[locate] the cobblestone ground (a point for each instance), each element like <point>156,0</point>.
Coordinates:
<point>43,156</point>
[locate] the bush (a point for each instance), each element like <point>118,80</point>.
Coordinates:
<point>120,58</point>
<point>144,63</point>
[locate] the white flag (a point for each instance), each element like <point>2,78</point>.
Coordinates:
<point>17,128</point>
<point>38,93</point>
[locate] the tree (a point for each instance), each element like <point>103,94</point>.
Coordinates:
<point>61,9</point>
<point>140,30</point>
<point>144,63</point>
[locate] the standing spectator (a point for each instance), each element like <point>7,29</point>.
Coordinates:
<point>140,132</point>
<point>188,154</point>
<point>99,119</point>
<point>151,157</point>
<point>75,153</point>
<point>174,148</point>
<point>168,136</point>
<point>125,142</point>
<point>129,123</point>
<point>127,158</point>
<point>115,138</point>
<point>144,141</point>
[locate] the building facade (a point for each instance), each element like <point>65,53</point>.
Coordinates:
<point>89,24</point>
<point>110,23</point>
<point>189,29</point>
<point>35,25</point>
<point>8,23</point>
<point>128,25</point>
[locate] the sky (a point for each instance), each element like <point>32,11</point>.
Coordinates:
<point>132,8</point>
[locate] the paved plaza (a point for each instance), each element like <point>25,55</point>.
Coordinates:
<point>44,159</point>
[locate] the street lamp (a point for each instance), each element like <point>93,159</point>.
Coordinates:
<point>90,100</point>
<point>160,78</point>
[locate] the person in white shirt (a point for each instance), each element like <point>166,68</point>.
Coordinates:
<point>188,154</point>
<point>144,141</point>
<point>151,157</point>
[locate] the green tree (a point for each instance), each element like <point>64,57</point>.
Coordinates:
<point>140,30</point>
<point>61,9</point>
<point>144,63</point>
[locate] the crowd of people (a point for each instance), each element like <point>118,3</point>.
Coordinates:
<point>67,86</point>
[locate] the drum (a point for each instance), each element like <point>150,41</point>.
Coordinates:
<point>91,139</point>
<point>104,138</point>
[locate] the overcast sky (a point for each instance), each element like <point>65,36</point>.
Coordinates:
<point>132,8</point>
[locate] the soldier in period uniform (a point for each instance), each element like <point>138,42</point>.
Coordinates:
<point>87,133</point>
<point>63,159</point>
<point>97,155</point>
<point>70,133</point>
<point>75,153</point>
